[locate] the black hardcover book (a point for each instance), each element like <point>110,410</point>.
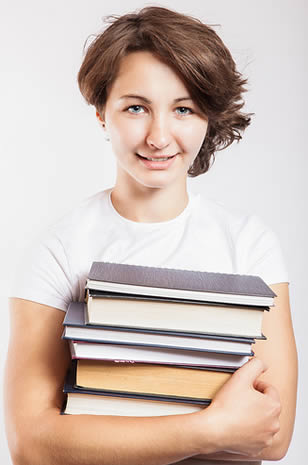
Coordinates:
<point>186,284</point>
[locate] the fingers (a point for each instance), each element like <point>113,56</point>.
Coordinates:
<point>260,385</point>
<point>267,389</point>
<point>251,370</point>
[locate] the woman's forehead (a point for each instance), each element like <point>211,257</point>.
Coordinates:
<point>144,72</point>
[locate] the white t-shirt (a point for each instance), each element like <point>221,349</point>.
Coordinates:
<point>206,236</point>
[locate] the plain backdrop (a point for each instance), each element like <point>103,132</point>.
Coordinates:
<point>53,152</point>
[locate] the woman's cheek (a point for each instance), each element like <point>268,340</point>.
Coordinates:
<point>135,132</point>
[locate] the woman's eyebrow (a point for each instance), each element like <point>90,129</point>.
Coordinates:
<point>146,100</point>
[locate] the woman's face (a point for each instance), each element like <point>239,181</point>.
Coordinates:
<point>149,114</point>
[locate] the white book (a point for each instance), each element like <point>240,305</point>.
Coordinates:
<point>82,403</point>
<point>141,354</point>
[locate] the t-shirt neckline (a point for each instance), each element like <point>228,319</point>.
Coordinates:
<point>153,225</point>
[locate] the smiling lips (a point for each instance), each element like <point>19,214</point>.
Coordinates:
<point>156,159</point>
<point>157,163</point>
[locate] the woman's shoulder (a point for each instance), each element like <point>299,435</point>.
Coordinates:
<point>255,244</point>
<point>50,268</point>
<point>82,214</point>
<point>233,219</point>
<point>70,231</point>
<point>246,228</point>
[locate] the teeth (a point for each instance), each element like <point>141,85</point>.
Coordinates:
<point>158,159</point>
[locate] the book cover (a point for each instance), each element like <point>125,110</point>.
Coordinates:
<point>200,285</point>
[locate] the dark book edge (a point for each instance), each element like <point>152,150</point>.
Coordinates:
<point>149,276</point>
<point>64,403</point>
<point>96,294</point>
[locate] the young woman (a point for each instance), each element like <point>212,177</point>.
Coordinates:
<point>168,96</point>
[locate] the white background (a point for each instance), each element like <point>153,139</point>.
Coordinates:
<point>53,153</point>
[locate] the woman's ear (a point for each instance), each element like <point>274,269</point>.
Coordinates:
<point>100,118</point>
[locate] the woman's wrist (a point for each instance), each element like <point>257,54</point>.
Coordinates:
<point>205,432</point>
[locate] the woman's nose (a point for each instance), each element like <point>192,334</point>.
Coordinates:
<point>158,135</point>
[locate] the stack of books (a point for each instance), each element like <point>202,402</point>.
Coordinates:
<point>157,341</point>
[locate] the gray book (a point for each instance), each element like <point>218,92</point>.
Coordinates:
<point>177,283</point>
<point>75,328</point>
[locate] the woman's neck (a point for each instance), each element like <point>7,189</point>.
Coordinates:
<point>149,205</point>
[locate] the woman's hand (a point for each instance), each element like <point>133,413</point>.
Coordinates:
<point>244,415</point>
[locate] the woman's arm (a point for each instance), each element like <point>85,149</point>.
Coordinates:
<point>280,356</point>
<point>36,366</point>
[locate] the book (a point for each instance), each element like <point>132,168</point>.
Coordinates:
<point>156,355</point>
<point>180,315</point>
<point>95,402</point>
<point>75,328</point>
<point>185,284</point>
<point>150,379</point>
<point>124,303</point>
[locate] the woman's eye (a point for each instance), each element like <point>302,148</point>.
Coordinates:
<point>184,111</point>
<point>138,109</point>
<point>135,109</point>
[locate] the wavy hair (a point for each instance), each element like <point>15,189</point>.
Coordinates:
<point>193,50</point>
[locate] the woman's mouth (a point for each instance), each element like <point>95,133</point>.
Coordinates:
<point>162,162</point>
<point>163,158</point>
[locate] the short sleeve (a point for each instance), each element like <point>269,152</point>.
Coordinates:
<point>43,274</point>
<point>259,252</point>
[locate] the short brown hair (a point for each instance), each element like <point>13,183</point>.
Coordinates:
<point>193,50</point>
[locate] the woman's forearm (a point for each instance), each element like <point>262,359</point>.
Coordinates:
<point>275,452</point>
<point>98,440</point>
<point>112,440</point>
